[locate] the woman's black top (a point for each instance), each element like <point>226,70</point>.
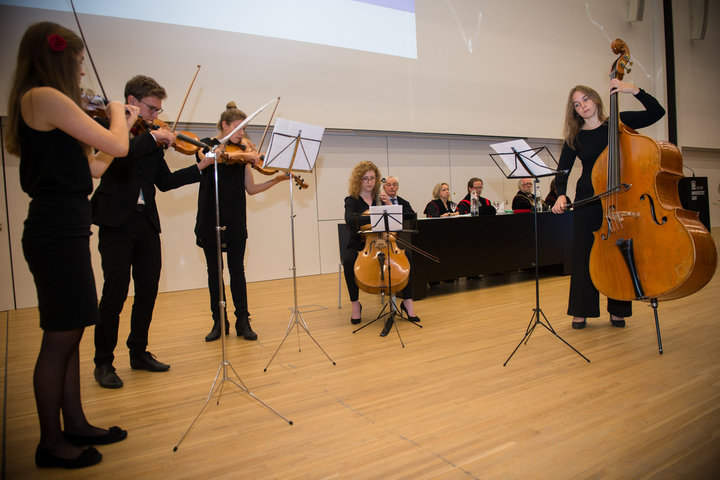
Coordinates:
<point>589,144</point>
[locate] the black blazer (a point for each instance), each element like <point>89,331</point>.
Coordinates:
<point>116,198</point>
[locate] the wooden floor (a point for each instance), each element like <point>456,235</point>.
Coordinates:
<point>442,407</point>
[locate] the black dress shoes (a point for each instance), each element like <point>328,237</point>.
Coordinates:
<point>89,456</point>
<point>114,434</point>
<point>412,319</point>
<point>242,327</point>
<point>107,378</point>
<point>147,361</point>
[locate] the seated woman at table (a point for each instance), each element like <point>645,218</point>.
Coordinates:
<point>441,205</point>
<point>364,190</point>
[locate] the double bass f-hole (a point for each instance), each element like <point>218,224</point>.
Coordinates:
<point>652,209</point>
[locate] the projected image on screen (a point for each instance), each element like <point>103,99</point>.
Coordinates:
<point>378,26</point>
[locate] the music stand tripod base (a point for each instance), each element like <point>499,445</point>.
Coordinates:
<point>530,166</point>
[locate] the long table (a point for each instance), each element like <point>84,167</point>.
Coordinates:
<point>469,246</point>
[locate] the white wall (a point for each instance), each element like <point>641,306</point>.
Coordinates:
<point>560,55</point>
<point>500,67</point>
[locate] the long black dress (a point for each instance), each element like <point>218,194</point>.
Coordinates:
<point>584,297</point>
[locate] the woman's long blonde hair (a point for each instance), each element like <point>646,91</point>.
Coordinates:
<point>356,178</point>
<point>573,121</point>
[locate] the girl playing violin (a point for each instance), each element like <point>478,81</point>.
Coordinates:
<point>234,179</point>
<point>55,139</point>
<point>364,191</point>
<point>586,136</point>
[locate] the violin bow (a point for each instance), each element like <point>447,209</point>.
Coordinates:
<point>272,115</point>
<point>187,94</point>
<point>87,49</point>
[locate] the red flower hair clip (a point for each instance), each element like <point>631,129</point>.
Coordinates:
<point>56,42</point>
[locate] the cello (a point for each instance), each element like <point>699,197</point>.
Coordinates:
<point>381,266</point>
<point>648,247</point>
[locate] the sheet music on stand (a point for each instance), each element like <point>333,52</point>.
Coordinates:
<point>520,160</point>
<point>289,137</point>
<point>395,217</point>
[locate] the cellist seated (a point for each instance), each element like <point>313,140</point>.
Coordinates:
<point>364,191</point>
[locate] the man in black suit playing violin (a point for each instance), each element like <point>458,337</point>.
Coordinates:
<point>124,208</point>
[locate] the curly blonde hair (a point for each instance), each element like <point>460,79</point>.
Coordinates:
<point>356,178</point>
<point>573,121</point>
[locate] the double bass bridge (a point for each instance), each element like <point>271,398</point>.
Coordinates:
<point>615,218</point>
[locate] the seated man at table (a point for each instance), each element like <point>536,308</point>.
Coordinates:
<point>524,200</point>
<point>390,187</point>
<point>475,185</point>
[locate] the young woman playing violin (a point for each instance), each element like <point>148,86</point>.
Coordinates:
<point>364,190</point>
<point>234,179</point>
<point>55,138</point>
<point>586,136</point>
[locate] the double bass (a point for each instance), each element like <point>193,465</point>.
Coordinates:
<point>648,247</point>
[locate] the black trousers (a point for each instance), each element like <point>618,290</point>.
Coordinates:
<point>133,249</point>
<point>235,253</point>
<point>584,298</point>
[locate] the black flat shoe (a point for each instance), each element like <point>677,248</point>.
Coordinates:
<point>114,434</point>
<point>355,321</point>
<point>579,325</point>
<point>412,319</point>
<point>89,456</point>
<point>617,323</point>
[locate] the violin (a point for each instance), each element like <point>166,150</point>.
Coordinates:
<point>647,247</point>
<point>180,145</point>
<point>94,105</point>
<point>381,266</point>
<point>247,146</point>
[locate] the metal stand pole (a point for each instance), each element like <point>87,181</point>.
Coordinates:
<point>296,318</point>
<point>537,311</point>
<point>217,387</point>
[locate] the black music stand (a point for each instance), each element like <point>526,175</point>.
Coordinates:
<point>520,161</point>
<point>386,219</point>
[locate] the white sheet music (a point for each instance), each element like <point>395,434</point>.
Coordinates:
<point>283,143</point>
<point>537,166</point>
<point>395,217</point>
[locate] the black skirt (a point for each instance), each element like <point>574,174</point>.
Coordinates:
<point>62,270</point>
